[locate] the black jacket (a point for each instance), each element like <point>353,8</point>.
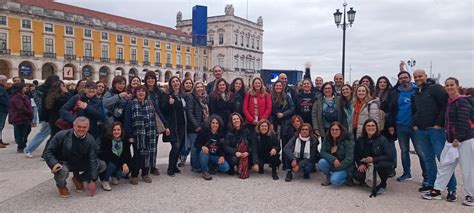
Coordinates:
<point>234,137</point>
<point>218,106</point>
<point>263,144</point>
<point>289,149</point>
<point>94,112</point>
<point>304,105</point>
<point>429,106</point>
<point>194,113</point>
<point>59,150</point>
<point>212,141</point>
<point>52,115</point>
<point>173,115</point>
<point>288,110</point>
<point>381,149</point>
<point>106,154</point>
<point>457,120</point>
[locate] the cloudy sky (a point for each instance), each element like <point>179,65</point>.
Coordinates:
<point>437,32</point>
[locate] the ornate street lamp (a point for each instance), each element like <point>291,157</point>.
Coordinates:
<point>337,19</point>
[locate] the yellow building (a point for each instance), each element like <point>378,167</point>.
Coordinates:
<point>40,38</point>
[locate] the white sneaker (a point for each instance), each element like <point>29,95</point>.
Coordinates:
<point>29,155</point>
<point>114,181</point>
<point>106,186</point>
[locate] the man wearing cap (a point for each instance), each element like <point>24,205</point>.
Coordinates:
<point>86,104</point>
<point>4,98</point>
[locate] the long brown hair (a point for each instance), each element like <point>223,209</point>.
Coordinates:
<point>54,93</point>
<point>109,134</point>
<point>342,136</point>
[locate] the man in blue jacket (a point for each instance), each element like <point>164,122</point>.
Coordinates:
<point>4,98</point>
<point>429,106</point>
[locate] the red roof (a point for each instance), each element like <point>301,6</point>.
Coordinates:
<point>50,4</point>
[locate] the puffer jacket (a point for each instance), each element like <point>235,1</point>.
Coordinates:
<point>317,113</point>
<point>288,110</point>
<point>364,114</point>
<point>264,107</point>
<point>429,106</point>
<point>458,114</point>
<point>382,150</point>
<point>94,112</point>
<point>194,113</point>
<point>20,110</point>
<point>344,153</point>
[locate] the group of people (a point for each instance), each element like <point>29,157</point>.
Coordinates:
<point>112,133</point>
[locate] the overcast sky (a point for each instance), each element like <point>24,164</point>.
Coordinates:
<point>300,31</point>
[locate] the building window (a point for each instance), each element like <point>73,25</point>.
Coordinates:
<point>236,38</point>
<point>168,58</point>
<point>3,41</point>
<point>157,57</point>
<point>119,38</point>
<point>48,45</point>
<point>48,27</point>
<point>146,55</point>
<point>178,59</point>
<point>105,51</point>
<point>220,61</point>
<point>69,30</point>
<point>204,52</point>
<point>211,39</point>
<point>88,33</point>
<point>242,40</point>
<point>252,64</point>
<point>3,20</point>
<point>157,44</point>
<point>204,62</point>
<point>221,38</point>
<point>26,24</point>
<point>26,43</point>
<point>248,41</point>
<point>253,43</point>
<point>242,63</point>
<point>236,62</point>
<point>119,53</point>
<point>258,44</point>
<point>188,60</point>
<point>88,49</point>
<point>168,46</point>
<point>178,48</point>
<point>188,49</point>
<point>69,47</point>
<point>145,42</point>
<point>133,55</point>
<point>133,40</point>
<point>105,36</point>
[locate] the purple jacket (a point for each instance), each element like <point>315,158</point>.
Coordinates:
<point>20,110</point>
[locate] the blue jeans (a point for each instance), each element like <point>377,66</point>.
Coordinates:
<point>39,137</point>
<point>432,143</point>
<point>194,152</point>
<point>35,115</point>
<point>336,178</point>
<point>3,118</point>
<point>404,134</point>
<point>112,171</point>
<point>205,159</point>
<point>21,132</point>
<point>304,164</point>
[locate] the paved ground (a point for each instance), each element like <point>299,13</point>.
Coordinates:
<point>26,185</point>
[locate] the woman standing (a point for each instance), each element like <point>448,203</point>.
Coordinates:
<point>460,134</point>
<point>347,107</point>
<point>221,102</point>
<point>133,84</point>
<point>304,101</point>
<point>364,108</point>
<point>326,110</point>
<point>337,155</point>
<point>197,112</point>
<point>57,97</point>
<point>237,88</point>
<point>266,148</point>
<point>372,148</point>
<point>369,83</point>
<point>283,108</point>
<point>187,86</point>
<point>210,142</point>
<point>116,99</point>
<point>20,114</point>
<point>140,127</point>
<point>236,137</point>
<point>101,89</point>
<point>257,104</point>
<point>173,108</point>
<point>115,152</point>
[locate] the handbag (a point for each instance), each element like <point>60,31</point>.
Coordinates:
<point>243,168</point>
<point>63,124</point>
<point>160,127</point>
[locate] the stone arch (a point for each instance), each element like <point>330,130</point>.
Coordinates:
<point>5,68</point>
<point>104,74</point>
<point>132,72</point>
<point>87,72</point>
<point>26,69</point>
<point>168,75</point>
<point>48,69</point>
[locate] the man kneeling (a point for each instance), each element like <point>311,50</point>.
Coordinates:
<point>74,150</point>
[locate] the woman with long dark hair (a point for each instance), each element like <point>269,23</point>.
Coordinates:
<point>116,99</point>
<point>369,83</point>
<point>337,155</point>
<point>173,108</point>
<point>221,101</point>
<point>237,143</point>
<point>237,88</point>
<point>347,108</point>
<point>20,114</point>
<point>57,97</point>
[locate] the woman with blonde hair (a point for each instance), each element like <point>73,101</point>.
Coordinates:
<point>257,103</point>
<point>365,107</point>
<point>266,148</point>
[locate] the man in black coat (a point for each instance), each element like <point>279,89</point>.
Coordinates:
<point>218,71</point>
<point>74,150</point>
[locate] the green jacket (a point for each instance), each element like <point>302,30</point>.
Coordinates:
<point>344,153</point>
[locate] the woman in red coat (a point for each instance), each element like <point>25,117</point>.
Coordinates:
<point>20,114</point>
<point>257,103</point>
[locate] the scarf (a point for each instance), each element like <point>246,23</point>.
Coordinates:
<point>298,143</point>
<point>205,109</point>
<point>117,147</point>
<point>144,129</point>
<point>357,109</point>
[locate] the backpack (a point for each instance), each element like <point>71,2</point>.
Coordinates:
<point>381,114</point>
<point>470,100</point>
<point>330,114</point>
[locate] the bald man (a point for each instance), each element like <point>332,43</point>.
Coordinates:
<point>338,82</point>
<point>284,79</point>
<point>429,106</point>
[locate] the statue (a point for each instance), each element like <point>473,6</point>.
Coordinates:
<point>229,10</point>
<point>260,21</point>
<point>179,16</point>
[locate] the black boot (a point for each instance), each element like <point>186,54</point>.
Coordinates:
<point>274,174</point>
<point>289,176</point>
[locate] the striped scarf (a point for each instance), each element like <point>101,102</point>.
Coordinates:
<point>144,128</point>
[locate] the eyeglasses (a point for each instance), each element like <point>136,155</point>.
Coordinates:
<point>305,129</point>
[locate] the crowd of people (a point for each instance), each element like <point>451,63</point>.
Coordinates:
<point>111,133</point>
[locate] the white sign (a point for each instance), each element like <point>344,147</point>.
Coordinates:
<point>68,73</point>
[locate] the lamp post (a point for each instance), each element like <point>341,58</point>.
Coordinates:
<point>411,63</point>
<point>337,20</point>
